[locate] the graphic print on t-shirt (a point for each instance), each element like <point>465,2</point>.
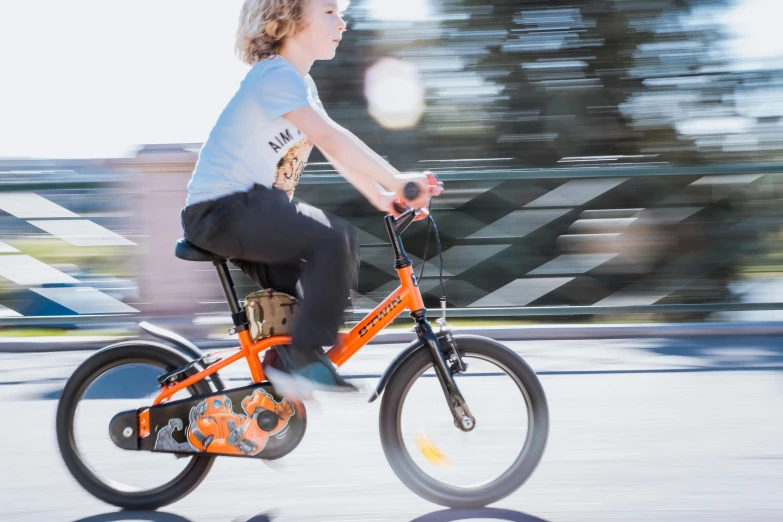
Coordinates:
<point>290,166</point>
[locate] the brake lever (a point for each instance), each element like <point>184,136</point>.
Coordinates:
<point>399,211</point>
<point>399,207</point>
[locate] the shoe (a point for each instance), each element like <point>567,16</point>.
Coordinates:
<point>300,383</point>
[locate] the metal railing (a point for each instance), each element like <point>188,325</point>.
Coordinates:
<point>737,219</point>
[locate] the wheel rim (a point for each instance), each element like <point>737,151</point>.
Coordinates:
<point>130,473</point>
<point>458,461</point>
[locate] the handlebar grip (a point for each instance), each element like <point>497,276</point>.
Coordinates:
<point>411,191</point>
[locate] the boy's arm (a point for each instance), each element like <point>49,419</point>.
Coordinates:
<point>353,157</point>
<point>379,198</point>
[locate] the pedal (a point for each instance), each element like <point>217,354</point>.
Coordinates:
<point>180,374</point>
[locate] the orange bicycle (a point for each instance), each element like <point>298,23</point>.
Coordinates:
<point>156,398</point>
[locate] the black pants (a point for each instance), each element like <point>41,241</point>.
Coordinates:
<point>287,246</point>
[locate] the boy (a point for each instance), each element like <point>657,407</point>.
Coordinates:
<point>239,202</point>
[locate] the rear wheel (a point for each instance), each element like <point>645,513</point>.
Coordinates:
<point>119,378</point>
<point>445,465</point>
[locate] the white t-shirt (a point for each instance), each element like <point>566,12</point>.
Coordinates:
<point>252,142</point>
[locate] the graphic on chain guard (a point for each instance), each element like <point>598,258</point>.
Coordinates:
<point>264,427</point>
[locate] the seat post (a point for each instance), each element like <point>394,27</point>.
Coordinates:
<point>237,312</point>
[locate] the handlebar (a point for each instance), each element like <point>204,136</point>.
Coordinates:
<point>412,191</point>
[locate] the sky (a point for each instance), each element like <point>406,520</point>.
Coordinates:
<point>98,78</point>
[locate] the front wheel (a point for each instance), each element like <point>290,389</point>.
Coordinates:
<point>457,469</point>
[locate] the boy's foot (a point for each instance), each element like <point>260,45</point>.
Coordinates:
<point>300,383</point>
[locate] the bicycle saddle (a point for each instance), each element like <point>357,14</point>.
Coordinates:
<point>190,252</point>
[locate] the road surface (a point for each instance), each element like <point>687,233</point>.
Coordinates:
<point>641,430</point>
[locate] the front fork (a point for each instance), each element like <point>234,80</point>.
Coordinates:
<point>447,362</point>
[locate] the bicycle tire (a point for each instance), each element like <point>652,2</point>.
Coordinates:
<point>446,495</point>
<point>94,366</point>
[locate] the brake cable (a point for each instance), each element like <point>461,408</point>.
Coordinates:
<point>431,224</point>
<point>456,364</point>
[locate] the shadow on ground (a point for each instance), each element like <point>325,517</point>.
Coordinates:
<point>724,353</point>
<point>452,515</point>
<point>159,516</point>
<point>135,516</point>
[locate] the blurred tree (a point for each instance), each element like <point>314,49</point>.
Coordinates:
<point>541,81</point>
<point>569,71</point>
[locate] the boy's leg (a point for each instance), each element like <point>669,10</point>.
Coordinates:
<point>287,278</point>
<point>263,226</point>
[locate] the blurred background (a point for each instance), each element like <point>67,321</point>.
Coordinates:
<point>614,186</point>
<point>604,160</point>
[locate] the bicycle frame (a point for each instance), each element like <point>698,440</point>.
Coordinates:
<point>406,296</point>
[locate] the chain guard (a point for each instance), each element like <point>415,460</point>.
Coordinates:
<point>252,421</point>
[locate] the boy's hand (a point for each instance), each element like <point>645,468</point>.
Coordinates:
<point>424,190</point>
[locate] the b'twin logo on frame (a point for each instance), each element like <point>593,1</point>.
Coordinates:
<point>383,313</point>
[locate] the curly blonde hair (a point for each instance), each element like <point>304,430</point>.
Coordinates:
<point>263,24</point>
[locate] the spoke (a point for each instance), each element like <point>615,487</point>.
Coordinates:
<point>122,388</point>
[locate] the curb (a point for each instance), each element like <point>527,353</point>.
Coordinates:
<point>500,333</point>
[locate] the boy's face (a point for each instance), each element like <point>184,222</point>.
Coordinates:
<point>322,28</point>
